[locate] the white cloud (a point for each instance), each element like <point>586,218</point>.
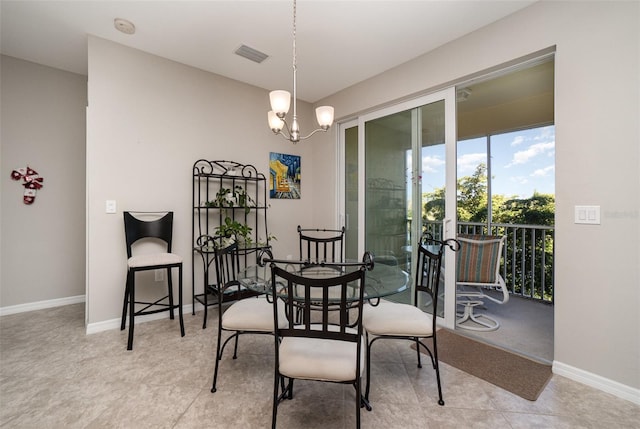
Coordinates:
<point>543,172</point>
<point>430,164</point>
<point>517,141</point>
<point>469,162</point>
<point>523,156</point>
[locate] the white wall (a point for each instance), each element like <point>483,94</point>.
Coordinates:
<point>597,286</point>
<point>43,244</point>
<point>148,121</point>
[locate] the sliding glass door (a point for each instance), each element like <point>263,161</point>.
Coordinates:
<point>391,158</point>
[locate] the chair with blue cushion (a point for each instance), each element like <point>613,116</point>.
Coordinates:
<point>478,279</point>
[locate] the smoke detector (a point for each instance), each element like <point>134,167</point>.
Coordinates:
<point>124,26</point>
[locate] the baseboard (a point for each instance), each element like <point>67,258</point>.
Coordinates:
<point>606,385</point>
<point>107,325</point>
<point>41,305</point>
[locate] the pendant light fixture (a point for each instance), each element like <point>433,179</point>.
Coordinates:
<point>281,101</point>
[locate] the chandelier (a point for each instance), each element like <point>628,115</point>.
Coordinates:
<point>281,100</point>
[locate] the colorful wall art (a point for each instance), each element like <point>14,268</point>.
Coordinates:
<point>284,175</point>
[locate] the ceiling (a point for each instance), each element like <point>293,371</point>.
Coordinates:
<point>339,43</point>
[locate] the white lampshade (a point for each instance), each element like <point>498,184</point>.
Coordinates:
<point>280,101</point>
<point>275,123</point>
<point>324,115</point>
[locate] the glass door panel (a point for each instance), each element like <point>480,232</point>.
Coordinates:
<point>350,136</point>
<point>393,160</point>
<point>406,153</point>
<point>433,168</point>
<point>388,143</point>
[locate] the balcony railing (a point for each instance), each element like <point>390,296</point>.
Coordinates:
<point>527,264</point>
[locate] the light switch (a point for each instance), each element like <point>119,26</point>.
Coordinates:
<point>111,206</point>
<point>587,215</point>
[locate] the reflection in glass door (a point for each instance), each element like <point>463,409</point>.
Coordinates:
<point>388,144</point>
<point>400,150</point>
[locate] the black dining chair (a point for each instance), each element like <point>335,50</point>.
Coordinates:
<point>321,245</point>
<point>327,345</point>
<point>390,320</point>
<point>236,313</point>
<point>156,227</point>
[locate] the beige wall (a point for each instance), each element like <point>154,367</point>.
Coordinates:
<point>597,325</point>
<point>43,244</point>
<point>148,121</point>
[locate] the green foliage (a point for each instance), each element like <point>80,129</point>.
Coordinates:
<point>537,210</point>
<point>236,197</point>
<point>232,228</point>
<point>472,200</point>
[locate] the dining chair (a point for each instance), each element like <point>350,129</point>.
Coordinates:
<point>390,320</point>
<point>477,275</point>
<point>253,315</point>
<point>321,245</point>
<point>144,231</point>
<point>327,345</point>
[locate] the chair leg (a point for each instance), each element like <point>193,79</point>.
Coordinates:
<point>358,403</point>
<point>180,300</point>
<point>437,368</point>
<point>126,301</point>
<point>132,309</point>
<point>290,389</point>
<point>235,346</point>
<point>487,325</point>
<point>218,357</point>
<point>418,351</point>
<point>274,412</point>
<point>170,287</point>
<point>366,391</point>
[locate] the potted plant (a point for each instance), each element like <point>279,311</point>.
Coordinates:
<point>236,197</point>
<point>234,231</point>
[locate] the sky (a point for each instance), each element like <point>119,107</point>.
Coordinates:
<point>522,162</point>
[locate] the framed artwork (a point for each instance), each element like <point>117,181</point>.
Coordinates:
<point>284,176</point>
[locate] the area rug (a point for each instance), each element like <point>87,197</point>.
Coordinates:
<point>512,372</point>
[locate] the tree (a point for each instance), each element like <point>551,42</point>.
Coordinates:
<point>537,210</point>
<point>472,199</point>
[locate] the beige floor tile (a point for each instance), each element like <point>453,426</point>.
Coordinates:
<point>52,375</point>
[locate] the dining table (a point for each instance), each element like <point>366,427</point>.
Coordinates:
<point>381,280</point>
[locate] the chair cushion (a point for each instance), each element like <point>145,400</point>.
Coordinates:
<point>253,314</point>
<point>153,260</point>
<point>391,318</point>
<point>319,359</point>
<point>477,258</point>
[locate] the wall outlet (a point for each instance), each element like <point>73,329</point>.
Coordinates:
<point>159,275</point>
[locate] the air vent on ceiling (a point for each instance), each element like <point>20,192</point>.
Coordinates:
<point>251,54</point>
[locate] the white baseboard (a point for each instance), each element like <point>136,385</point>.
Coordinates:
<point>41,305</point>
<point>606,385</point>
<point>106,325</point>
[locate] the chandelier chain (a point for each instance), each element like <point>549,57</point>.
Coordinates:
<point>295,64</point>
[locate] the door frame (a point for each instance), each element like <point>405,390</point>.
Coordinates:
<point>448,95</point>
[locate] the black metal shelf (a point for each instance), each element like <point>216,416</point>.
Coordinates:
<point>249,209</point>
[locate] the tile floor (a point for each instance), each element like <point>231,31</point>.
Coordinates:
<point>54,376</point>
